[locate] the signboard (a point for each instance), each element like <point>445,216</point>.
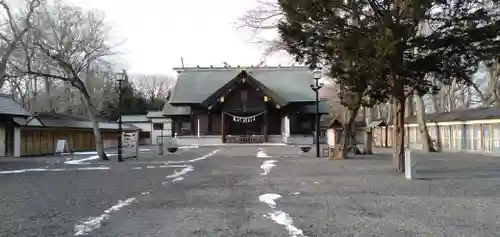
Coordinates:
<point>62,147</point>
<point>130,144</point>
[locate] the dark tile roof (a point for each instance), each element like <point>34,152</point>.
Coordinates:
<point>55,120</point>
<point>324,108</point>
<point>135,118</point>
<point>9,106</point>
<point>336,123</point>
<point>154,114</point>
<point>460,115</point>
<point>169,109</point>
<point>194,85</point>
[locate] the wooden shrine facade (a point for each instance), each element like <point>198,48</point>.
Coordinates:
<point>242,110</point>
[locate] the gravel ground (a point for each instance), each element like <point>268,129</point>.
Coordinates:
<point>455,195</point>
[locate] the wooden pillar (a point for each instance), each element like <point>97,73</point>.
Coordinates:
<point>490,141</point>
<point>209,121</point>
<point>172,127</point>
<point>265,126</point>
<point>222,127</point>
<point>386,137</point>
<point>193,122</point>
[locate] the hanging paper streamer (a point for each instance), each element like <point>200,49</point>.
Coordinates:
<point>244,119</point>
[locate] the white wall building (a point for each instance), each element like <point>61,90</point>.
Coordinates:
<point>153,126</point>
<point>160,126</point>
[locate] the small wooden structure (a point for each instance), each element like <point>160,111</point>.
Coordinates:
<point>38,135</point>
<point>22,134</point>
<point>332,139</point>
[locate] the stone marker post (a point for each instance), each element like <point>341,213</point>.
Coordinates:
<point>410,172</point>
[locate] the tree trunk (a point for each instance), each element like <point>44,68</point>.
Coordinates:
<point>95,125</point>
<point>389,118</point>
<point>379,111</point>
<point>48,90</point>
<point>438,134</point>
<point>347,130</point>
<point>409,107</point>
<point>398,157</point>
<point>368,138</point>
<point>425,138</point>
<point>442,99</point>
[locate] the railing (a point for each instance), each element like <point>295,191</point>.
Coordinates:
<point>245,139</point>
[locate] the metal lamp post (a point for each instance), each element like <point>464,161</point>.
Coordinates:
<point>160,145</point>
<point>120,129</point>
<point>317,73</point>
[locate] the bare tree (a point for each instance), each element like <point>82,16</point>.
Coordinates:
<point>425,138</point>
<point>262,20</point>
<point>153,87</point>
<point>16,26</point>
<point>492,92</point>
<point>74,44</point>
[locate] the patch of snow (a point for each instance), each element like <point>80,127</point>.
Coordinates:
<point>85,153</point>
<point>145,193</point>
<point>294,194</point>
<point>185,170</point>
<point>202,157</point>
<point>177,179</point>
<point>92,223</point>
<point>137,168</point>
<point>280,217</point>
<point>267,166</point>
<point>50,170</point>
<point>82,161</point>
<point>93,168</point>
<point>150,167</point>
<point>262,154</point>
<point>316,182</point>
<point>188,147</point>
<point>269,199</point>
<point>177,175</point>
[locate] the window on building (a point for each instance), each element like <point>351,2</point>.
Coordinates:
<point>185,128</point>
<point>476,144</point>
<point>157,126</point>
<point>185,125</point>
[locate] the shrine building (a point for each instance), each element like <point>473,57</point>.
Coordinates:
<point>215,105</point>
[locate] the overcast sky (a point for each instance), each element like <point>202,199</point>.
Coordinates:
<point>159,32</point>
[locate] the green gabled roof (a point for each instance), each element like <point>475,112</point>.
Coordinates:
<point>324,108</point>
<point>194,85</point>
<point>8,106</point>
<point>169,109</point>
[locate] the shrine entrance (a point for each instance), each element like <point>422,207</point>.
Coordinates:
<point>246,127</point>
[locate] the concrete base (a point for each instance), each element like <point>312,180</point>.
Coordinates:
<point>300,140</point>
<point>274,140</point>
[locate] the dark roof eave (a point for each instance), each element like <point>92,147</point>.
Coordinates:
<point>183,103</point>
<point>17,115</point>
<point>66,127</point>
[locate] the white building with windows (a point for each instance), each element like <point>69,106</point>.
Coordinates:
<point>161,126</point>
<point>153,126</point>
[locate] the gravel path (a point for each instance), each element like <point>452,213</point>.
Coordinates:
<point>200,192</point>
